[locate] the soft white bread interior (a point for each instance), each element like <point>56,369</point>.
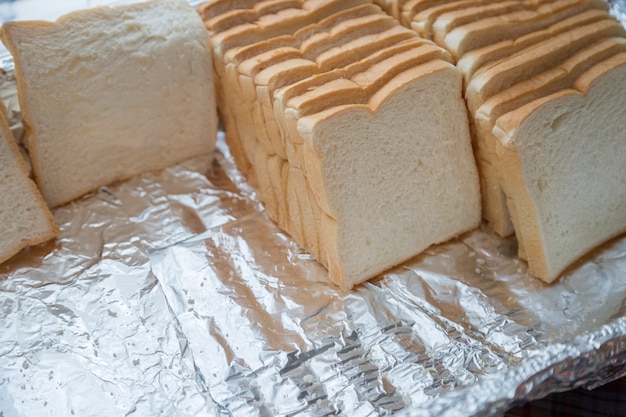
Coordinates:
<point>565,158</point>
<point>107,93</point>
<point>390,183</point>
<point>24,216</point>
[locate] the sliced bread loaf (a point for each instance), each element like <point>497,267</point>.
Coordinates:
<point>546,83</point>
<point>565,155</point>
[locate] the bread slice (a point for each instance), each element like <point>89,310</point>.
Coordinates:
<point>108,93</point>
<point>565,155</point>
<point>473,60</point>
<point>499,76</point>
<point>483,32</point>
<point>546,83</point>
<point>24,216</point>
<point>378,174</point>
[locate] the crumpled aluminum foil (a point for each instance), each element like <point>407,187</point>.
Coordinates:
<point>174,294</point>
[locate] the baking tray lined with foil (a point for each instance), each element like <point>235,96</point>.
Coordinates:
<point>174,294</point>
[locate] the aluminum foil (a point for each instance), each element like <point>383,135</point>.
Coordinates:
<point>174,294</point>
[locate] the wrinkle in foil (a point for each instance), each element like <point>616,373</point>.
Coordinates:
<point>174,294</point>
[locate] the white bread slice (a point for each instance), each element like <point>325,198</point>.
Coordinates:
<point>502,74</point>
<point>108,93</point>
<point>535,59</point>
<point>25,219</point>
<point>477,58</point>
<point>379,173</point>
<point>425,52</point>
<point>565,155</point>
<point>478,34</point>
<point>549,82</point>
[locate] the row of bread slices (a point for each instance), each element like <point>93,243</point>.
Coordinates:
<point>544,85</point>
<point>105,94</point>
<point>545,88</point>
<point>352,126</point>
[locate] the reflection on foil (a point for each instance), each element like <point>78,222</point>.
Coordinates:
<point>174,294</point>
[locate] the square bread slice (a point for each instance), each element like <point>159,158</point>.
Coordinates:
<point>110,92</point>
<point>392,185</point>
<point>25,219</point>
<point>565,155</point>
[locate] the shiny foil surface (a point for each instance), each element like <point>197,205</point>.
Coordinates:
<point>173,294</point>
